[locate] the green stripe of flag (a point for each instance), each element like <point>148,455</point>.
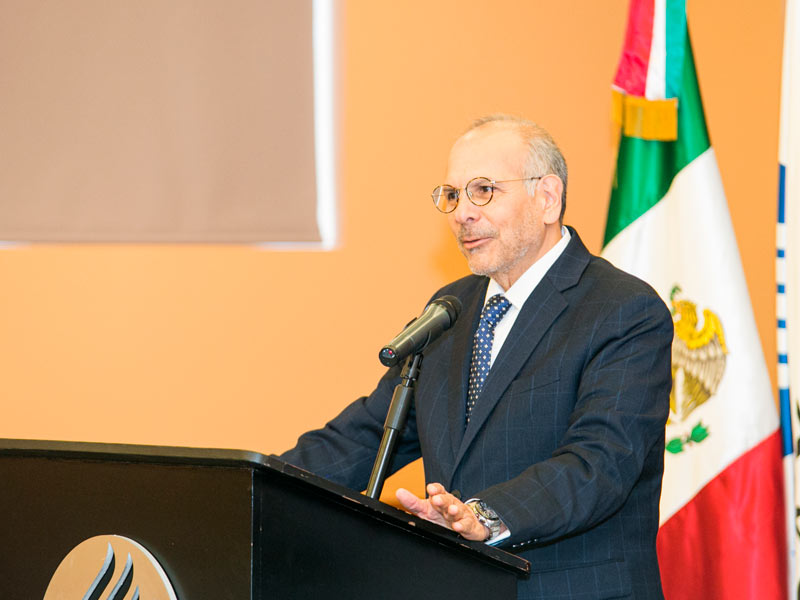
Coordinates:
<point>646,168</point>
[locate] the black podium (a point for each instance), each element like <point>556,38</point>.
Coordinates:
<point>228,524</point>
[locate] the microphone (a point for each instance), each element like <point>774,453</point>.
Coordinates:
<point>437,317</point>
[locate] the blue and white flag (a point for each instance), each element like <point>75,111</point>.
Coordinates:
<point>788,282</point>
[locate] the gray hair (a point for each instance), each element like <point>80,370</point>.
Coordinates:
<point>544,156</point>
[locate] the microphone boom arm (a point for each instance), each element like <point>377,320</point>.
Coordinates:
<point>394,424</point>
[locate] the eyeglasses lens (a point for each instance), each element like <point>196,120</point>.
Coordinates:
<point>445,197</point>
<point>480,190</point>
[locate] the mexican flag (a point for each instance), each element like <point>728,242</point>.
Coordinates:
<point>788,281</point>
<point>722,529</point>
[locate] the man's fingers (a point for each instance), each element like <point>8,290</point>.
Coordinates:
<point>409,501</point>
<point>456,514</point>
<point>434,489</point>
<point>420,507</point>
<point>462,526</point>
<point>450,507</point>
<point>443,508</point>
<point>470,528</point>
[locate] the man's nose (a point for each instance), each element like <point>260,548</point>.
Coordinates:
<point>465,210</point>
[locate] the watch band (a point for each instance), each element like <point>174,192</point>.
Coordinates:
<point>487,517</point>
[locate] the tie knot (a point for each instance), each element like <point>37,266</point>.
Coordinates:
<point>495,308</point>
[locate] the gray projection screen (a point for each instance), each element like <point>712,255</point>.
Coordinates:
<point>157,121</point>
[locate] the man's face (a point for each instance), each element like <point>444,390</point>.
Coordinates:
<point>503,238</point>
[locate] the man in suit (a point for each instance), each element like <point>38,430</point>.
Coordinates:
<point>540,415</point>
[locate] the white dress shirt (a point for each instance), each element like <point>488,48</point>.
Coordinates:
<point>520,290</point>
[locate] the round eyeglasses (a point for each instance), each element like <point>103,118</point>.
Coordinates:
<point>480,191</point>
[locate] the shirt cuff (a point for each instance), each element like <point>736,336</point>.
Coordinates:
<point>505,534</point>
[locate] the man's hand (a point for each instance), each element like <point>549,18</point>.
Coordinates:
<point>444,509</point>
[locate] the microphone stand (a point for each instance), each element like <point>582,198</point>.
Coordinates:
<point>395,421</point>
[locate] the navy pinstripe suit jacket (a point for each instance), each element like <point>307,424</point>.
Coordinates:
<point>566,442</point>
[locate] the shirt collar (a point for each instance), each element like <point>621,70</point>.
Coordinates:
<point>518,293</point>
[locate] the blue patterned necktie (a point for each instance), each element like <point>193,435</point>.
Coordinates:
<point>495,308</point>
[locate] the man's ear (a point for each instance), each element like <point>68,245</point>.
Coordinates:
<point>552,188</point>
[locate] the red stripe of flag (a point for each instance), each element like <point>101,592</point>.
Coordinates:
<point>632,70</point>
<point>729,540</point>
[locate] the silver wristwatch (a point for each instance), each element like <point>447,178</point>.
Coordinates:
<point>486,516</point>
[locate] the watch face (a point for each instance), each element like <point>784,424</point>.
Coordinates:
<point>486,512</point>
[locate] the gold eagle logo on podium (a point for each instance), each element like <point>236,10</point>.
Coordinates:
<point>698,363</point>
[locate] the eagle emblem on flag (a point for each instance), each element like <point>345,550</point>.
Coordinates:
<point>698,363</point>
<point>698,356</point>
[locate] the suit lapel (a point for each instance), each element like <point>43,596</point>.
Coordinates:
<point>537,315</point>
<point>541,309</point>
<point>458,373</point>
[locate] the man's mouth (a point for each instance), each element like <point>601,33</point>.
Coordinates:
<point>471,241</point>
<point>475,242</point>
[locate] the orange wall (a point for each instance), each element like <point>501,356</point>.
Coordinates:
<point>233,346</point>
